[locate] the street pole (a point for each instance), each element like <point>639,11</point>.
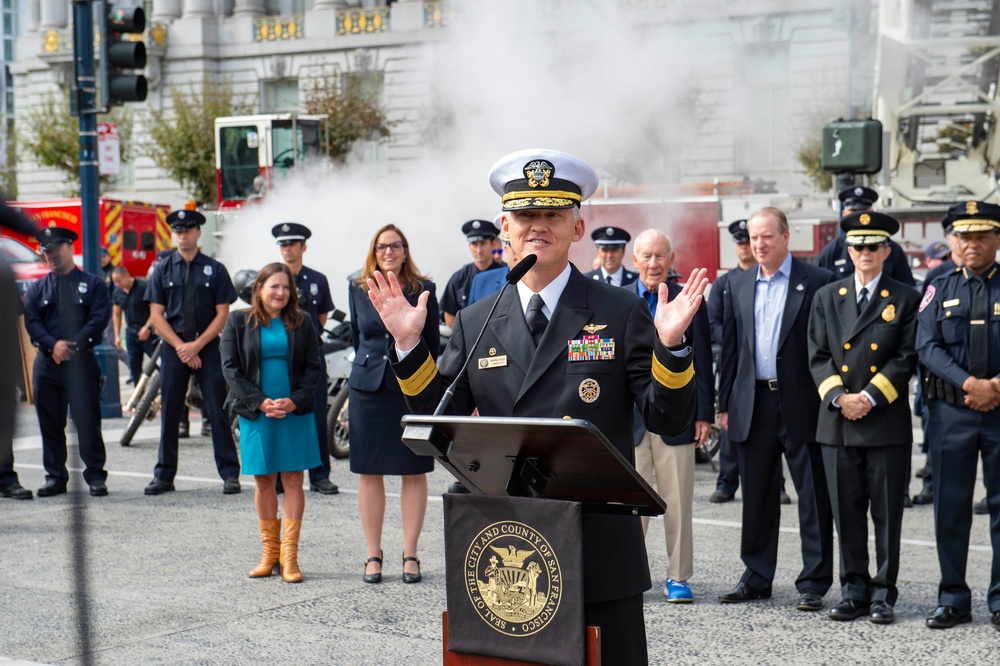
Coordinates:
<point>86,96</point>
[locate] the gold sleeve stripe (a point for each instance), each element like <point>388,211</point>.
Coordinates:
<point>828,384</point>
<point>420,379</point>
<point>883,384</point>
<point>670,379</point>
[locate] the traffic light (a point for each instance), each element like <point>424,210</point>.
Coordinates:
<point>120,53</point>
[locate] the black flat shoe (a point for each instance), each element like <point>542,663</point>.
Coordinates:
<point>373,577</point>
<point>744,592</point>
<point>881,613</point>
<point>51,489</point>
<point>925,496</point>
<point>16,491</point>
<point>946,617</point>
<point>408,577</point>
<point>809,601</point>
<point>848,609</point>
<point>98,489</point>
<point>324,487</point>
<point>158,487</point>
<point>231,486</point>
<point>995,620</point>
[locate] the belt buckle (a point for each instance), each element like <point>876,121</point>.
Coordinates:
<point>772,384</point>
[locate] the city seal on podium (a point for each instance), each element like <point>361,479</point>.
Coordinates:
<point>513,578</point>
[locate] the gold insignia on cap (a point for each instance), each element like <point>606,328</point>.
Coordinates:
<point>589,390</point>
<point>971,208</point>
<point>884,293</point>
<point>889,313</point>
<point>538,173</point>
<point>594,328</point>
<point>842,291</point>
<point>865,219</point>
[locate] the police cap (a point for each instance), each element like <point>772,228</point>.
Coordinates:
<point>937,250</point>
<point>541,178</point>
<point>866,228</point>
<point>477,230</point>
<point>185,219</point>
<point>974,216</point>
<point>290,231</point>
<point>50,237</point>
<point>738,229</point>
<point>610,237</point>
<point>857,197</point>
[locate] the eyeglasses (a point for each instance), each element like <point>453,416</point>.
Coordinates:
<point>395,247</point>
<point>871,247</point>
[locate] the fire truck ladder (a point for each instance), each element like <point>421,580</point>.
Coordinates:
<point>936,94</point>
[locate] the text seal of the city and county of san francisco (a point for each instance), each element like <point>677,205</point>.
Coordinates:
<point>513,578</point>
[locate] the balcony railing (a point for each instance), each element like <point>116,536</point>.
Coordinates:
<point>59,42</point>
<point>437,14</point>
<point>362,21</point>
<point>278,28</point>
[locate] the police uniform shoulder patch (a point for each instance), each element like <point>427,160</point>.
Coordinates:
<point>928,297</point>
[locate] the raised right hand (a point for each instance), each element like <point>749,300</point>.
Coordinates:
<point>403,321</point>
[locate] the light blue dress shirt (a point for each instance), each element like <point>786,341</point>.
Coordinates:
<point>768,307</point>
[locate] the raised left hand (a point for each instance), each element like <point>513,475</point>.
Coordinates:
<point>674,317</point>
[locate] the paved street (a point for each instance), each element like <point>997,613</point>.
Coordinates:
<point>166,580</point>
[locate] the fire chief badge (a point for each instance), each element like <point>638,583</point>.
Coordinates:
<point>515,578</point>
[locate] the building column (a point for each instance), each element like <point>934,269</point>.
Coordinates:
<point>165,11</point>
<point>34,15</point>
<point>248,8</point>
<point>53,14</point>
<point>321,5</point>
<point>198,8</point>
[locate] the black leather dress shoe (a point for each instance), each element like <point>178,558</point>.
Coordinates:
<point>231,486</point>
<point>946,617</point>
<point>158,487</point>
<point>206,428</point>
<point>810,601</point>
<point>183,430</point>
<point>848,609</point>
<point>16,491</point>
<point>98,489</point>
<point>52,488</point>
<point>995,620</point>
<point>720,497</point>
<point>925,496</point>
<point>980,508</point>
<point>324,487</point>
<point>921,473</point>
<point>784,498</point>
<point>907,502</point>
<point>881,613</point>
<point>744,592</point>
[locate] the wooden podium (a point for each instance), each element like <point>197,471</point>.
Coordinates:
<point>551,459</point>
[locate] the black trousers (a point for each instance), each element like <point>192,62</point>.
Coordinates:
<point>135,349</point>
<point>859,477</point>
<point>729,466</point>
<point>760,473</point>
<point>623,630</point>
<point>175,375</point>
<point>322,472</point>
<point>74,385</point>
<point>964,436</point>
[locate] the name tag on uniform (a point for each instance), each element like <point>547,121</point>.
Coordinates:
<point>840,262</point>
<point>952,303</point>
<point>591,348</point>
<point>493,362</point>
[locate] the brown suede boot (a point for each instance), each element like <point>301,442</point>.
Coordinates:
<point>290,552</point>
<point>270,534</point>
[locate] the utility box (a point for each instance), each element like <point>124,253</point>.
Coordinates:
<point>852,146</point>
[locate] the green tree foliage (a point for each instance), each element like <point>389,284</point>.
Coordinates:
<point>51,137</point>
<point>353,102</point>
<point>181,141</point>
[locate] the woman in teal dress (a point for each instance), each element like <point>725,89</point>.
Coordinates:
<point>272,363</point>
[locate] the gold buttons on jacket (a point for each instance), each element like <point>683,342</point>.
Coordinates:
<point>874,347</point>
<point>843,368</point>
<point>874,368</point>
<point>847,345</point>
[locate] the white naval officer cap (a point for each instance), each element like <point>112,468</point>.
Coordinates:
<point>542,178</point>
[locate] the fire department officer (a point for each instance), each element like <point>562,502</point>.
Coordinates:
<point>314,298</point>
<point>189,296</point>
<point>65,314</point>
<point>611,242</point>
<point>861,354</point>
<point>958,339</point>
<point>482,236</point>
<point>834,257</point>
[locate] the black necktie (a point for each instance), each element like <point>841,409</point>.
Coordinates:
<point>190,329</point>
<point>979,342</point>
<point>863,301</point>
<point>608,279</point>
<point>70,320</point>
<point>537,321</point>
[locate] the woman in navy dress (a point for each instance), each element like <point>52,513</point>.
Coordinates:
<point>272,363</point>
<point>377,405</point>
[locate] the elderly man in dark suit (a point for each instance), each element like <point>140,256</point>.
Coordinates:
<point>651,365</point>
<point>765,404</point>
<point>862,333</point>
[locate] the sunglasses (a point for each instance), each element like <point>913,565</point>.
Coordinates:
<point>871,247</point>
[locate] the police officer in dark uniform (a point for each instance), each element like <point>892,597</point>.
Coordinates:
<point>314,298</point>
<point>189,296</point>
<point>482,236</point>
<point>958,339</point>
<point>834,256</point>
<point>65,314</point>
<point>611,242</point>
<point>862,356</point>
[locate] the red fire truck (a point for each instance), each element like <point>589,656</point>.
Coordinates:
<point>132,231</point>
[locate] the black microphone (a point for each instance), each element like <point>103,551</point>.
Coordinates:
<point>513,277</point>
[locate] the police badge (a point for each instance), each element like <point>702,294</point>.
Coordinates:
<point>538,173</point>
<point>314,289</point>
<point>208,271</point>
